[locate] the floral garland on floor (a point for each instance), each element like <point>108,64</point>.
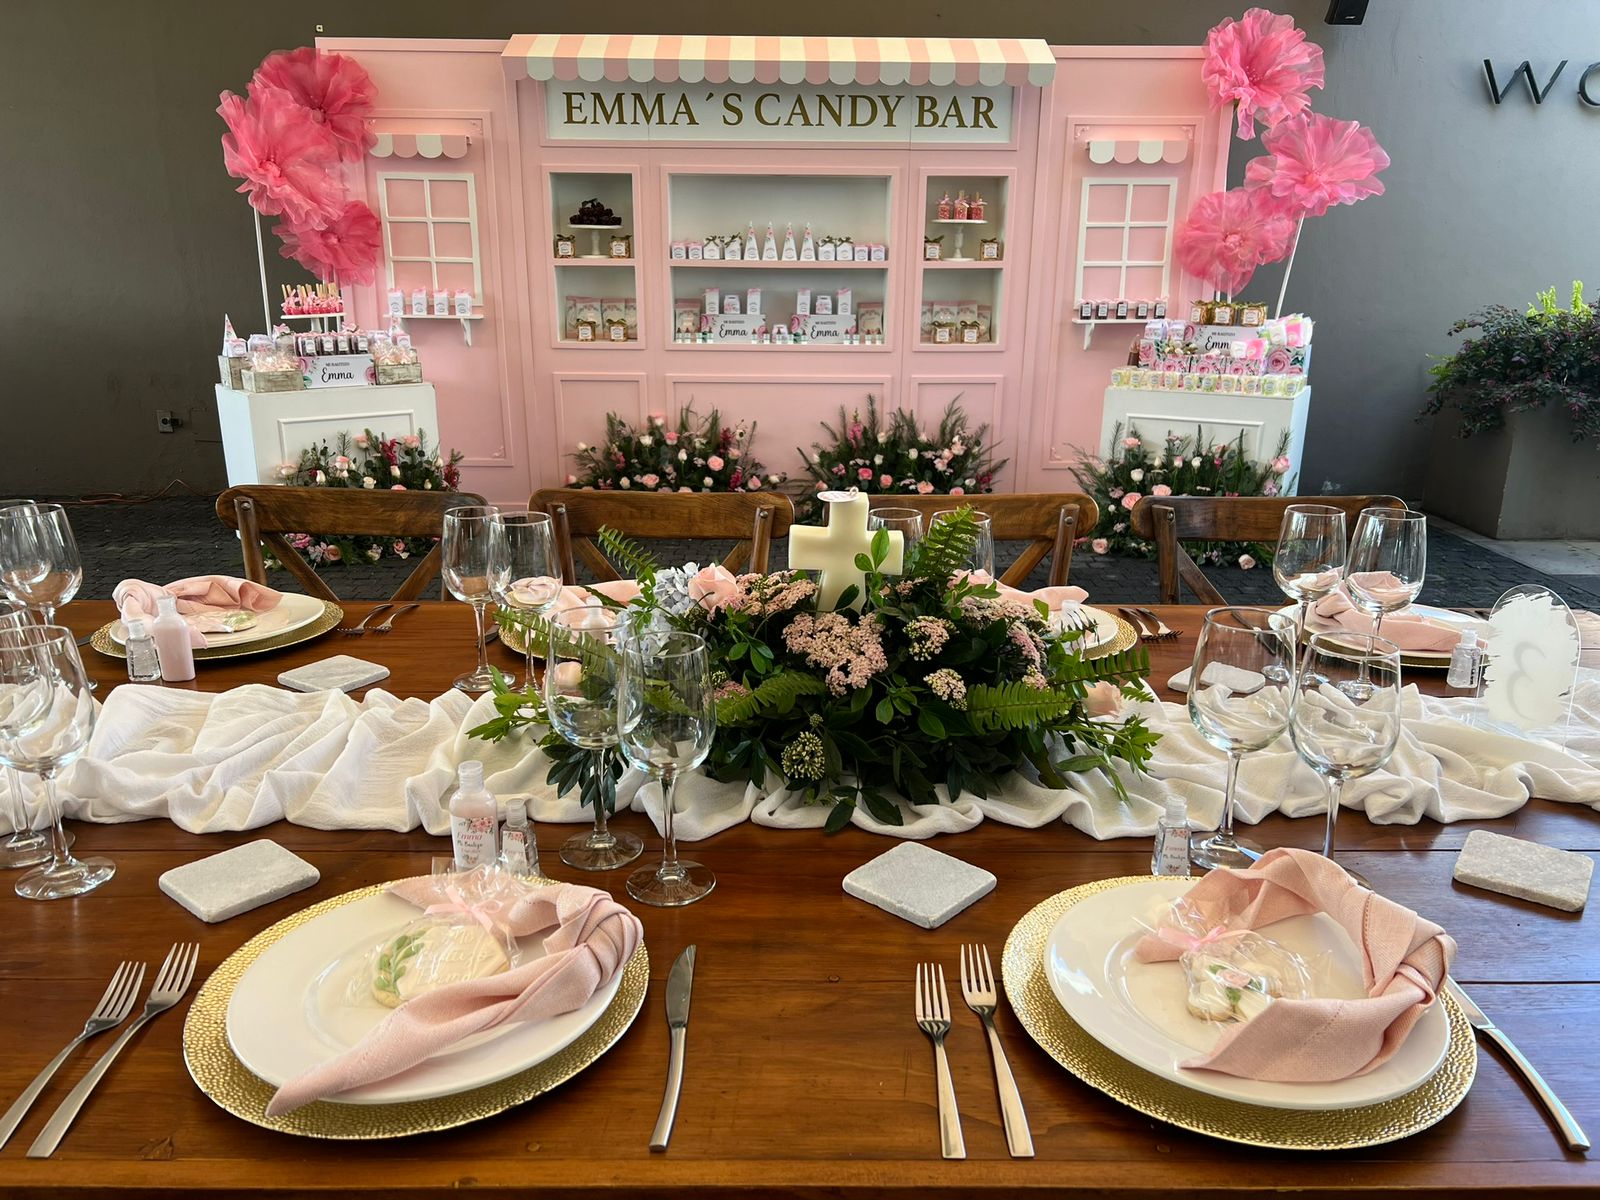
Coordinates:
<point>695,456</point>
<point>369,461</point>
<point>1182,467</point>
<point>938,680</point>
<point>901,457</point>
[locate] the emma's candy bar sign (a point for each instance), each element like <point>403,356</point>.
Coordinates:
<point>666,112</point>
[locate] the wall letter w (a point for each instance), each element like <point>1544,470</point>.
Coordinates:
<point>1525,72</point>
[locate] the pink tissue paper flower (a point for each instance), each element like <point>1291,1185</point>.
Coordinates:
<point>1227,235</point>
<point>1314,162</point>
<point>346,248</point>
<point>1263,63</point>
<point>336,91</point>
<point>282,158</point>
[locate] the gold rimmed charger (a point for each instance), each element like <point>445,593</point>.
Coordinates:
<point>1126,639</point>
<point>218,1073</point>
<point>330,617</point>
<point>1104,1070</point>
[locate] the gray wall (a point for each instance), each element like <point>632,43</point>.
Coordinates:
<point>122,242</point>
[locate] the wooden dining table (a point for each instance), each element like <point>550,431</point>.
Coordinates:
<point>806,1075</point>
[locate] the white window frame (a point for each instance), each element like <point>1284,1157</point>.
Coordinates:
<point>433,258</point>
<point>1127,183</point>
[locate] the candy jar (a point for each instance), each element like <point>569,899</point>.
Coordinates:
<point>944,207</point>
<point>976,208</point>
<point>962,207</point>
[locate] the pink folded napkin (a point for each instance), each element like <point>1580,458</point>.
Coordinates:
<point>1055,598</point>
<point>623,591</point>
<point>1405,959</point>
<point>202,601</point>
<point>1406,630</point>
<point>590,938</point>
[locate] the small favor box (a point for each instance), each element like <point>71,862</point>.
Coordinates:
<point>697,251</point>
<point>419,303</point>
<point>863,253</point>
<point>846,250</point>
<point>879,252</point>
<point>713,300</point>
<point>271,381</point>
<point>566,247</point>
<point>989,250</point>
<point>931,249</point>
<point>711,248</point>
<point>827,252</point>
<point>680,251</point>
<point>824,304</point>
<point>399,373</point>
<point>622,245</point>
<point>231,371</point>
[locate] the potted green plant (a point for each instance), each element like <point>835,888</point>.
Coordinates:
<point>1516,412</point>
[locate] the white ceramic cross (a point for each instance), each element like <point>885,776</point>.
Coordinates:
<point>832,549</point>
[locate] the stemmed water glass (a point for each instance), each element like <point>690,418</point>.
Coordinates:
<point>465,565</point>
<point>26,847</point>
<point>667,714</point>
<point>1239,701</point>
<point>46,716</point>
<point>1310,557</point>
<point>905,521</point>
<point>1388,560</point>
<point>523,574</point>
<point>982,556</point>
<point>39,562</point>
<point>580,695</point>
<point>1345,720</point>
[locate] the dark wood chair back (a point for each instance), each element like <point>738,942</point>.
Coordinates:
<point>264,513</point>
<point>1047,521</point>
<point>752,519</point>
<point>1169,521</point>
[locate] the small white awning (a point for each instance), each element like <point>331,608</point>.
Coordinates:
<point>1135,143</point>
<point>420,145</point>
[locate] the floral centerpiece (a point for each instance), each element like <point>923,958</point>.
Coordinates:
<point>1517,361</point>
<point>1180,466</point>
<point>697,455</point>
<point>370,461</point>
<point>937,679</point>
<point>900,457</point>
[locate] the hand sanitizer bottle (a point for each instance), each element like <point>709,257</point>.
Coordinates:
<point>1171,855</point>
<point>143,666</point>
<point>1465,661</point>
<point>171,635</point>
<point>474,819</point>
<point>519,852</point>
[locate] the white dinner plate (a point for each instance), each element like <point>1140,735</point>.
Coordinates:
<point>1105,628</point>
<point>1140,1010</point>
<point>295,1008</point>
<point>291,612</point>
<point>1449,618</point>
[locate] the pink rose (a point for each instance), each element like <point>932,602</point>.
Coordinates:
<point>713,587</point>
<point>715,462</point>
<point>864,474</point>
<point>399,546</point>
<point>571,479</point>
<point>1246,563</point>
<point>1161,489</point>
<point>958,491</point>
<point>821,485</point>
<point>360,440</point>
<point>399,487</point>
<point>332,553</point>
<point>886,481</point>
<point>1281,463</point>
<point>1103,700</point>
<point>755,483</point>
<point>658,418</point>
<point>650,480</point>
<point>1100,545</point>
<point>686,489</point>
<point>736,453</point>
<point>412,440</point>
<point>671,436</point>
<point>1115,493</point>
<point>924,488</point>
<point>1132,443</point>
<point>1130,500</point>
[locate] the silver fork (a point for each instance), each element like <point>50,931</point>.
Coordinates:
<point>112,1010</point>
<point>1134,619</point>
<point>389,623</point>
<point>360,627</point>
<point>172,981</point>
<point>977,989</point>
<point>933,1018</point>
<point>1076,618</point>
<point>1163,631</point>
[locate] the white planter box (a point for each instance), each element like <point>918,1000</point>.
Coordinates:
<point>1220,416</point>
<point>260,430</point>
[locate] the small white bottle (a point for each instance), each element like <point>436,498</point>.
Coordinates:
<point>143,665</point>
<point>474,819</point>
<point>170,632</point>
<point>1465,661</point>
<point>1171,855</point>
<point>519,852</point>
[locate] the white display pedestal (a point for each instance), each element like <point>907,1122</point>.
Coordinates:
<point>261,430</point>
<point>1221,417</point>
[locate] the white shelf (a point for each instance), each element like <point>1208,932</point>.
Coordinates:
<point>322,316</point>
<point>617,228</point>
<point>1088,326</point>
<point>466,322</point>
<point>961,221</point>
<point>585,260</point>
<point>780,264</point>
<point>967,264</point>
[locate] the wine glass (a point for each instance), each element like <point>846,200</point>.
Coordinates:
<point>905,521</point>
<point>39,562</point>
<point>1310,557</point>
<point>1343,732</point>
<point>522,567</point>
<point>982,556</point>
<point>1239,701</point>
<point>46,716</point>
<point>26,847</point>
<point>1388,559</point>
<point>580,695</point>
<point>667,714</point>
<point>465,566</point>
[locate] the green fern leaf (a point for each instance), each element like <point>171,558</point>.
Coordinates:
<point>1015,705</point>
<point>776,694</point>
<point>629,557</point>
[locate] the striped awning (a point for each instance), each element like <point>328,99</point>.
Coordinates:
<point>420,145</point>
<point>1144,150</point>
<point>673,58</point>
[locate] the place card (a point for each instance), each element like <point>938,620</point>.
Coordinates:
<point>919,884</point>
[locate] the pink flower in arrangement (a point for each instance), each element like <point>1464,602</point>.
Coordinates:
<point>1161,489</point>
<point>864,474</point>
<point>1100,545</point>
<point>360,440</point>
<point>1314,162</point>
<point>282,158</point>
<point>650,480</point>
<point>821,486</point>
<point>713,587</point>
<point>886,481</point>
<point>336,90</point>
<point>331,553</point>
<point>1116,493</point>
<point>755,483</point>
<point>300,541</point>
<point>671,436</point>
<point>1132,443</point>
<point>1246,563</point>
<point>1129,500</point>
<point>1265,65</point>
<point>686,489</point>
<point>571,479</point>
<point>401,550</point>
<point>412,441</point>
<point>1227,235</point>
<point>658,419</point>
<point>735,453</point>
<point>345,248</point>
<point>1281,463</point>
<point>924,488</point>
<point>399,487</point>
<point>715,462</point>
<point>958,491</point>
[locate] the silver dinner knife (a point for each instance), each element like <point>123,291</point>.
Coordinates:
<point>679,984</point>
<point>1571,1132</point>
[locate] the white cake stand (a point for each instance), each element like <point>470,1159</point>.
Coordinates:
<point>594,237</point>
<point>960,234</point>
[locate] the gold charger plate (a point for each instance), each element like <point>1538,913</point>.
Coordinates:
<point>332,614</point>
<point>1126,639</point>
<point>1065,1041</point>
<point>218,1073</point>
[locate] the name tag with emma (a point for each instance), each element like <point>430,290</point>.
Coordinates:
<point>338,370</point>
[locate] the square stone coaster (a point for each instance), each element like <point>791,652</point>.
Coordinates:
<point>1527,870</point>
<point>343,671</point>
<point>235,881</point>
<point>1237,680</point>
<point>919,884</point>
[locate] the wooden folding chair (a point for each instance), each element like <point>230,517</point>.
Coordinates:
<point>752,519</point>
<point>264,513</point>
<point>1048,521</point>
<point>1169,521</point>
